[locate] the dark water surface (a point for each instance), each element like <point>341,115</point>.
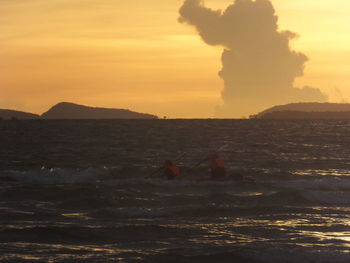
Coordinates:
<point>75,191</point>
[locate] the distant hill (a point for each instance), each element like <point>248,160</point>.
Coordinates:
<point>65,110</point>
<point>302,115</point>
<point>12,114</point>
<point>307,111</point>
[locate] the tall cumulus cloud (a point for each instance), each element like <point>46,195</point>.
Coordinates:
<point>259,67</point>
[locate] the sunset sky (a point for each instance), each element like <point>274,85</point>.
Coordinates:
<point>136,55</point>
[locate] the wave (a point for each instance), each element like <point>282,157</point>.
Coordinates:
<point>205,257</point>
<point>94,188</point>
<point>264,254</point>
<point>105,235</point>
<point>329,184</point>
<point>196,211</point>
<point>135,175</point>
<point>296,254</point>
<point>307,197</point>
<point>55,175</point>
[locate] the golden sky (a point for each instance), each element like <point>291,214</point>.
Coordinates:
<point>134,54</point>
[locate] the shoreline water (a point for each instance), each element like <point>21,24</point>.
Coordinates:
<point>74,191</point>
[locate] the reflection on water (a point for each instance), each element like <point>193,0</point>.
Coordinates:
<point>328,172</point>
<point>82,196</point>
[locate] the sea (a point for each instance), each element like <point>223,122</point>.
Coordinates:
<point>89,191</point>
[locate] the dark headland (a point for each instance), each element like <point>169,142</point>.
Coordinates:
<point>292,111</point>
<point>307,111</point>
<point>65,110</point>
<point>12,114</point>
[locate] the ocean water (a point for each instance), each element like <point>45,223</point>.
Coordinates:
<point>75,191</point>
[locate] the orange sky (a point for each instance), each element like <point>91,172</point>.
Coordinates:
<point>134,54</point>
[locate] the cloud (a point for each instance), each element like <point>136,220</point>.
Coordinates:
<point>259,67</point>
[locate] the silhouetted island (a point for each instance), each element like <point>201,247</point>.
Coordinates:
<point>302,115</point>
<point>12,114</point>
<point>307,111</point>
<point>65,110</point>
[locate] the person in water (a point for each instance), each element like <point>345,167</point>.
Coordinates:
<point>171,171</point>
<point>217,168</point>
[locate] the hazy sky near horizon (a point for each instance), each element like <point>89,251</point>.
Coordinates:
<point>135,54</point>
